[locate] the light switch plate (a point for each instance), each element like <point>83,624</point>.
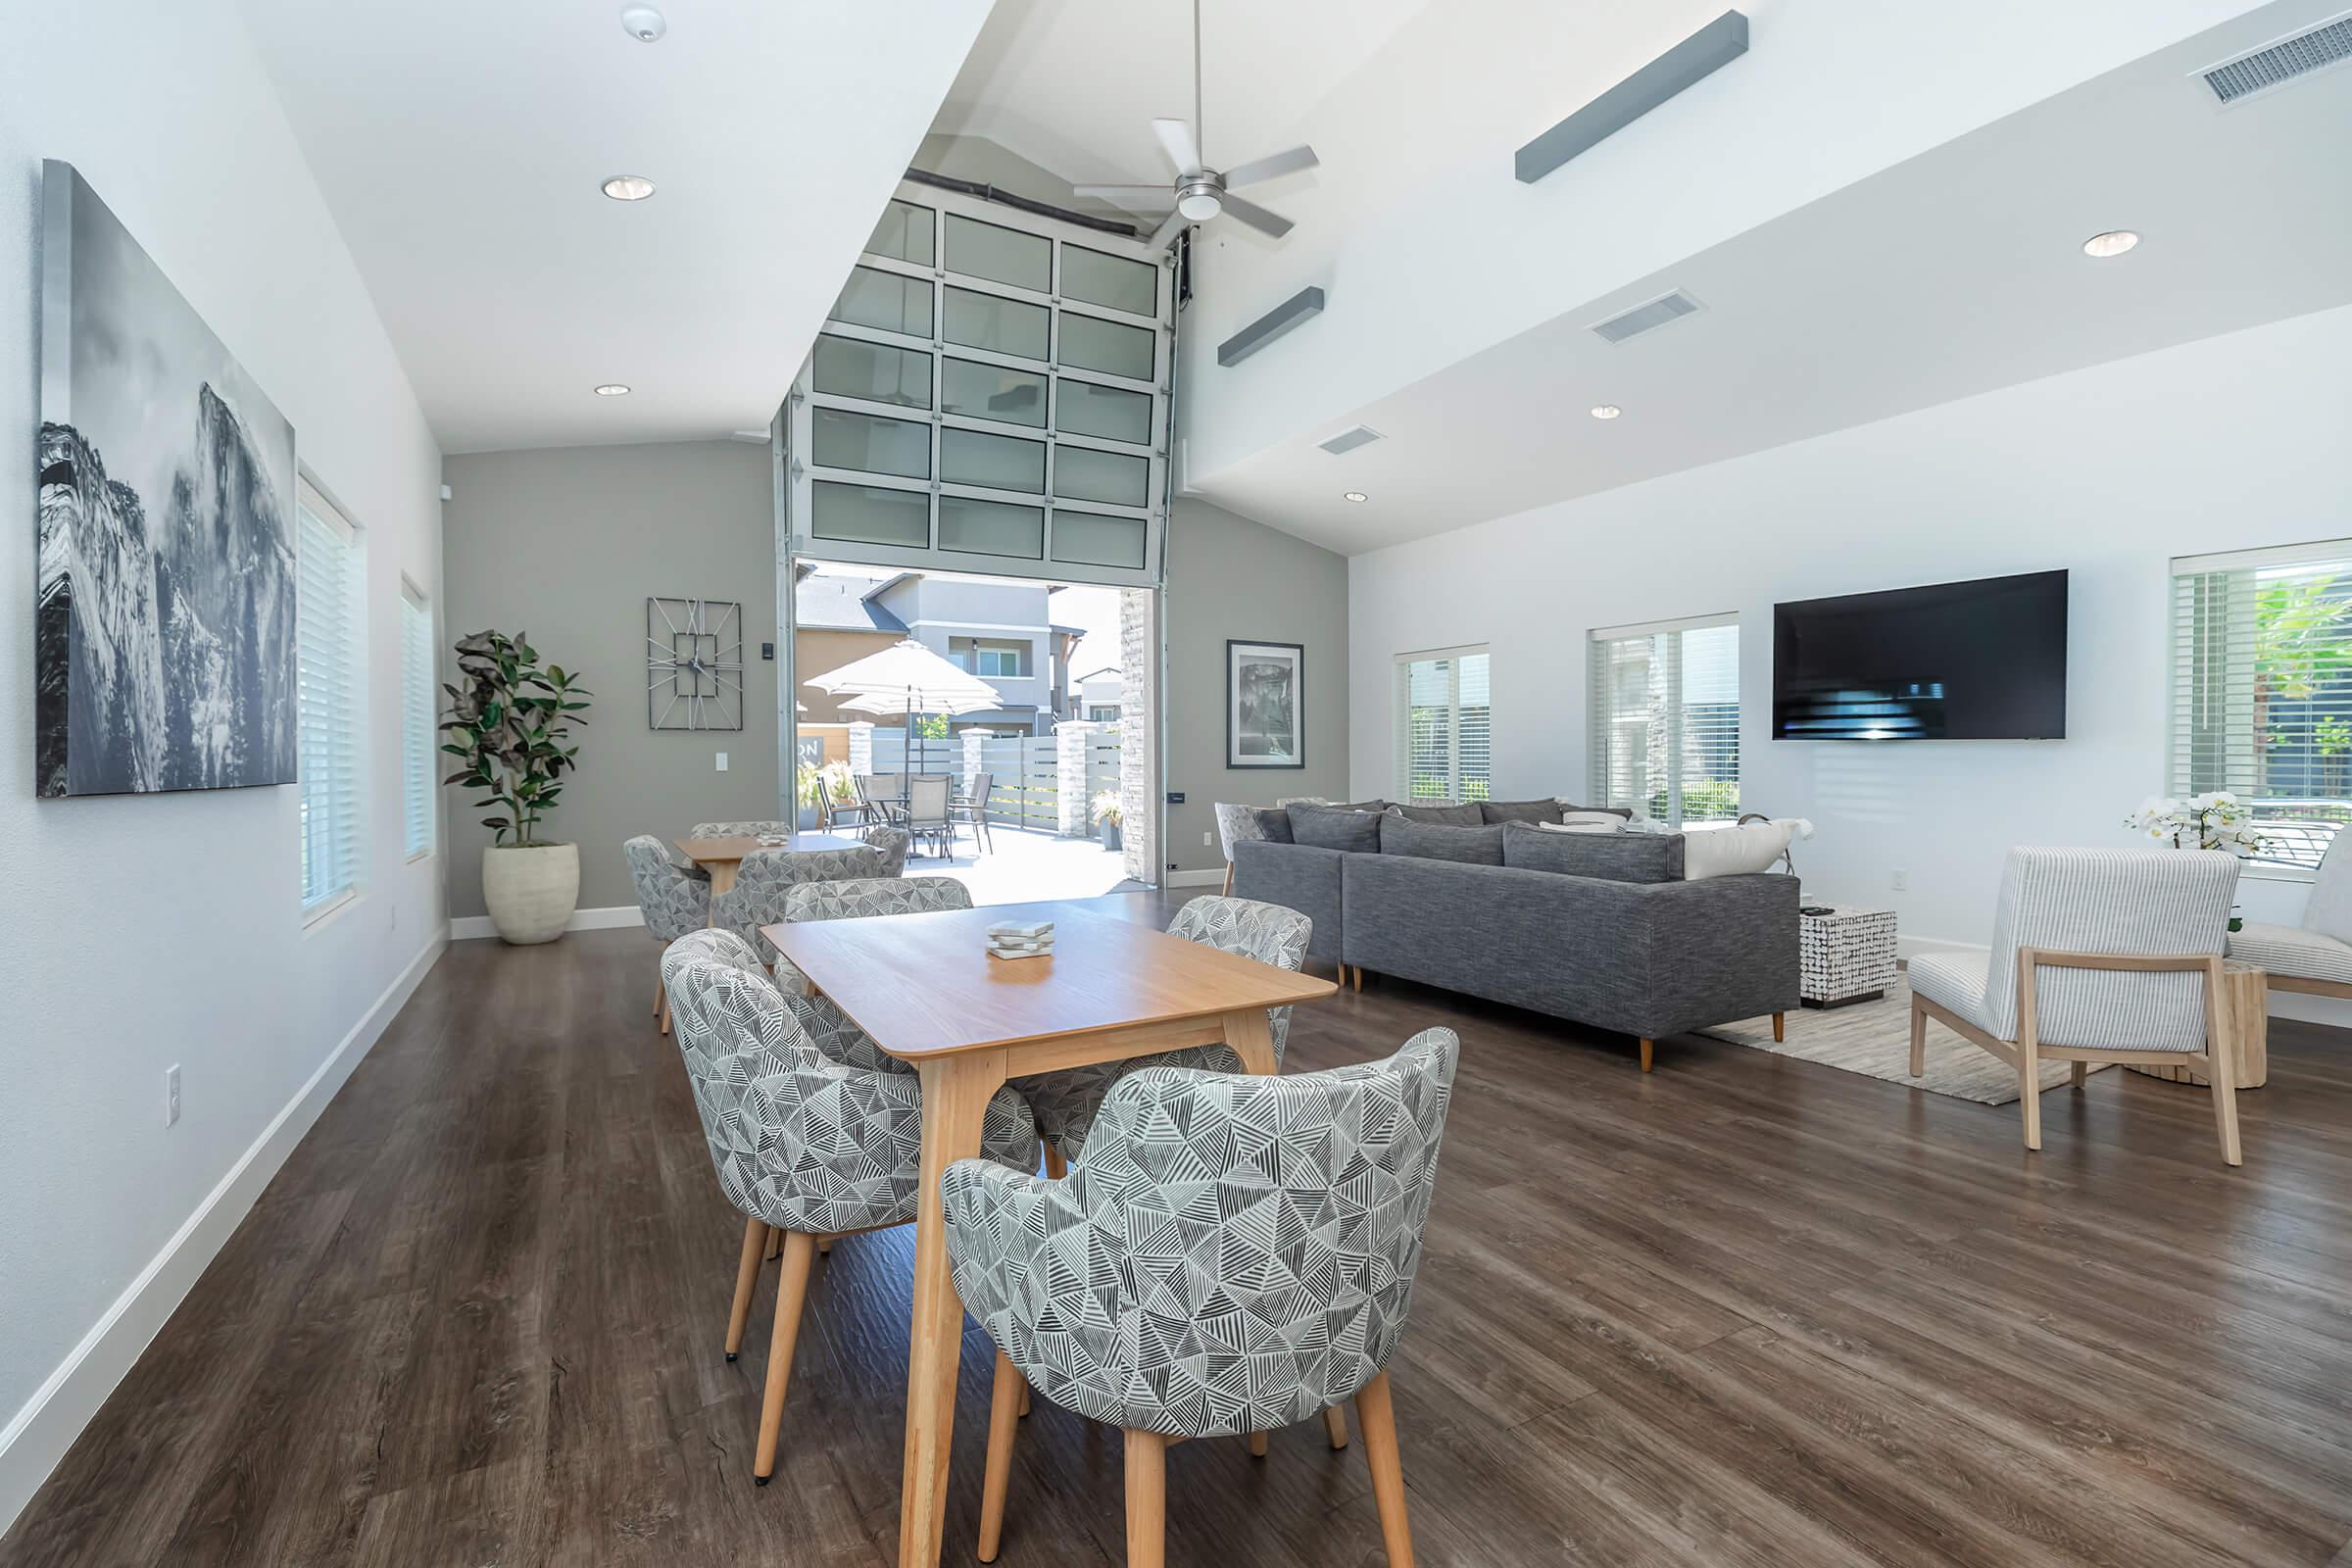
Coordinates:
<point>722,761</point>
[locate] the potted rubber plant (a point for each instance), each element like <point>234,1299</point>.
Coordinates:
<point>510,723</point>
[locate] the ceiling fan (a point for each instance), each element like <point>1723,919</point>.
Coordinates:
<point>1200,192</point>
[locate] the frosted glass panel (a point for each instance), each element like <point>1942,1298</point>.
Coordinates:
<point>991,392</point>
<point>1002,326</point>
<point>1101,279</point>
<point>885,300</point>
<point>998,461</point>
<point>1084,538</point>
<point>1081,407</point>
<point>991,527</point>
<point>904,233</point>
<point>1091,344</point>
<point>1085,474</point>
<point>839,439</point>
<point>869,515</point>
<point>851,367</point>
<point>1007,256</point>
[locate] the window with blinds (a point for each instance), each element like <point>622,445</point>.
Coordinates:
<point>417,818</point>
<point>330,651</point>
<point>1442,726</point>
<point>2262,690</point>
<point>1666,719</point>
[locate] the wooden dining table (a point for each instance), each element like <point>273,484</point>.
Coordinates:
<point>926,988</point>
<point>722,858</point>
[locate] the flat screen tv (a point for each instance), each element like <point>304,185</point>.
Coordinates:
<point>1981,660</point>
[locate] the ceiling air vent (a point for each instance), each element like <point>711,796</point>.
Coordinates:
<point>1363,435</point>
<point>1646,316</point>
<point>2329,44</point>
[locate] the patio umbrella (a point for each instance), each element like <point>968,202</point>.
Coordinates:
<point>907,678</point>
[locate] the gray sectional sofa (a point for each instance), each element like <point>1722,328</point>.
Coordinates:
<point>1598,928</point>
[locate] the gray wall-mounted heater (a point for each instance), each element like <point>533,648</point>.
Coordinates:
<point>1701,55</point>
<point>1271,325</point>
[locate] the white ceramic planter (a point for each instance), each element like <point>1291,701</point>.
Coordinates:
<point>531,892</point>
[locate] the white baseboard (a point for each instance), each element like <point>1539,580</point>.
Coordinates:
<point>37,1437</point>
<point>1908,946</point>
<point>1193,879</point>
<point>467,926</point>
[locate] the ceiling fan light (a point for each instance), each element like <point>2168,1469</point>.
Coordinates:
<point>1200,205</point>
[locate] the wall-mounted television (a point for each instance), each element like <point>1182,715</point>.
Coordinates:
<point>1979,661</point>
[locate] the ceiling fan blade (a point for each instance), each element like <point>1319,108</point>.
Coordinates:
<point>1165,234</point>
<point>1271,225</point>
<point>1176,139</point>
<point>1127,195</point>
<point>1272,168</point>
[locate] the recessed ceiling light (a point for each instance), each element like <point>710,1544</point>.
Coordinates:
<point>644,23</point>
<point>1355,495</point>
<point>1606,410</point>
<point>2114,242</point>
<point>628,187</point>
<point>612,389</point>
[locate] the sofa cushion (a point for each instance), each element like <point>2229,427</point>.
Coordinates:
<point>1613,856</point>
<point>1439,841</point>
<point>1519,810</point>
<point>1355,806</point>
<point>1569,807</point>
<point>1273,824</point>
<point>1328,827</point>
<point>1584,822</point>
<point>1466,814</point>
<point>2292,951</point>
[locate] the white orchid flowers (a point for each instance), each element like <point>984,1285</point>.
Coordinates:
<point>2214,820</point>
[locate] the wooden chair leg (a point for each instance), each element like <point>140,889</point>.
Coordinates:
<point>2221,1065</point>
<point>2029,1090</point>
<point>1919,1038</point>
<point>1056,1168</point>
<point>1257,1444</point>
<point>659,989</point>
<point>665,1009</point>
<point>1003,1420</point>
<point>1228,888</point>
<point>1024,1399</point>
<point>824,1245</point>
<point>775,1245</point>
<point>1648,1051</point>
<point>1335,1426</point>
<point>2081,1074</point>
<point>792,1291</point>
<point>1147,1500</point>
<point>1780,1028</point>
<point>1377,1416</point>
<point>747,1277</point>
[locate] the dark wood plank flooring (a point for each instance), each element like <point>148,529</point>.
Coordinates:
<point>1742,1312</point>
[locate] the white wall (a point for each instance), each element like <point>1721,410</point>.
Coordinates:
<point>144,931</point>
<point>2109,472</point>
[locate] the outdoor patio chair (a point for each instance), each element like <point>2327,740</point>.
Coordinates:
<point>930,816</point>
<point>972,807</point>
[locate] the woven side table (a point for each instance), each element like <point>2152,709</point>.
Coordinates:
<point>1846,955</point>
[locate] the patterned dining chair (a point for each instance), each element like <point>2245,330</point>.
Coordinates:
<point>754,829</point>
<point>2098,956</point>
<point>767,876</point>
<point>1230,1254</point>
<point>853,901</point>
<point>671,902</point>
<point>1236,824</point>
<point>804,1146</point>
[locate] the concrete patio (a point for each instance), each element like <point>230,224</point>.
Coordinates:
<point>1022,865</point>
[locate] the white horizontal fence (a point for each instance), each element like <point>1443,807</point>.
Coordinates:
<point>1025,771</point>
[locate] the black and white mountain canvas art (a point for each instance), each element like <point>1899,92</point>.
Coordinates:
<point>164,642</point>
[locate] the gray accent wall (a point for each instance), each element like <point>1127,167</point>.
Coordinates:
<point>1229,577</point>
<point>566,544</point>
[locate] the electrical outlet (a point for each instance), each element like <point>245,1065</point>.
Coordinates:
<point>1902,881</point>
<point>172,1095</point>
<point>1204,841</point>
<point>722,761</point>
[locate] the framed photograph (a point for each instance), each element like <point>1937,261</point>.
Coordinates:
<point>1265,705</point>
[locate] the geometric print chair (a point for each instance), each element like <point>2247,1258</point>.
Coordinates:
<point>671,901</point>
<point>857,900</point>
<point>766,877</point>
<point>743,830</point>
<point>2098,956</point>
<point>803,1145</point>
<point>1230,1254</point>
<point>1236,824</point>
<point>1065,1102</point>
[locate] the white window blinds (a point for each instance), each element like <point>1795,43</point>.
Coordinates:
<point>417,818</point>
<point>330,568</point>
<point>1442,726</point>
<point>2262,690</point>
<point>1666,719</point>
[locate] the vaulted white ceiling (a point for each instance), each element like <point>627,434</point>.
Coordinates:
<point>461,149</point>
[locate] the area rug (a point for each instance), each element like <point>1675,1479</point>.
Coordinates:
<point>1874,1039</point>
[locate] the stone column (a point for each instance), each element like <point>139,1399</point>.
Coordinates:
<point>1074,813</point>
<point>973,759</point>
<point>1139,732</point>
<point>861,748</point>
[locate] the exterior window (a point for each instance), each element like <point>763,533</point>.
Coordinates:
<point>990,658</point>
<point>2262,692</point>
<point>331,651</point>
<point>419,822</point>
<point>1103,714</point>
<point>1666,719</point>
<point>1442,726</point>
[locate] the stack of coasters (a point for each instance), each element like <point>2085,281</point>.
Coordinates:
<point>1021,939</point>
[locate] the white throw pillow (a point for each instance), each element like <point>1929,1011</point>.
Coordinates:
<point>1735,851</point>
<point>2330,912</point>
<point>1584,822</point>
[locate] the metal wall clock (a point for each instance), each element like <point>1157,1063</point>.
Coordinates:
<point>694,664</point>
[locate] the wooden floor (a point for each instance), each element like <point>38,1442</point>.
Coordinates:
<point>1742,1312</point>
